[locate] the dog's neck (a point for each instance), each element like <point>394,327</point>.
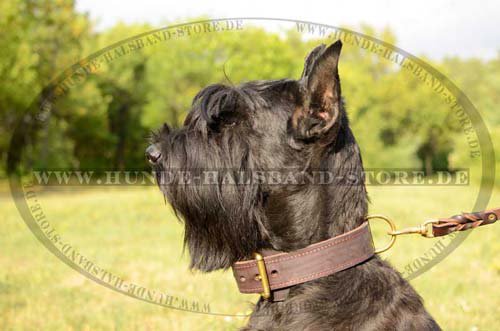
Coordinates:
<point>318,212</point>
<point>347,202</point>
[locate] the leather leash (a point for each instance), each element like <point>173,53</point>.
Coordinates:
<point>444,226</point>
<point>272,273</point>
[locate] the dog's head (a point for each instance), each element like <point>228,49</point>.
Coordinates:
<point>207,168</point>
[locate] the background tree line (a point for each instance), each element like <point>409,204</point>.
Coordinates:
<point>105,121</point>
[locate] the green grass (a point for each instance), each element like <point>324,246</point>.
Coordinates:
<point>134,235</point>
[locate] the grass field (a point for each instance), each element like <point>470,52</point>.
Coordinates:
<point>133,234</point>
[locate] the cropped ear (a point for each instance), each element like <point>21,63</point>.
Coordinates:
<point>311,59</point>
<point>321,104</point>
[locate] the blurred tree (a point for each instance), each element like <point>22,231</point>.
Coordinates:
<point>105,120</point>
<point>52,33</point>
<point>17,69</point>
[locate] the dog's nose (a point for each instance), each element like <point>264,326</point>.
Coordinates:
<point>153,153</point>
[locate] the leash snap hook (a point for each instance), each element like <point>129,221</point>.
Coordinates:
<point>424,229</point>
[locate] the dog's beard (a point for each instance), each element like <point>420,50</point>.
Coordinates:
<point>223,222</point>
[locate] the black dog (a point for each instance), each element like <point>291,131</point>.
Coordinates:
<point>285,124</point>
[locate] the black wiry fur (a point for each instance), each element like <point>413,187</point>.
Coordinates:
<point>276,125</point>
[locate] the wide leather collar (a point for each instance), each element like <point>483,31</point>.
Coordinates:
<point>273,273</point>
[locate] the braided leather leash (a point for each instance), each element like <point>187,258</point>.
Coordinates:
<point>464,221</point>
<point>442,226</point>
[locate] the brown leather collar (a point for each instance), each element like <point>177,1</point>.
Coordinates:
<point>282,270</point>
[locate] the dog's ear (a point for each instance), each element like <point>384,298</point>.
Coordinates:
<point>311,59</point>
<point>321,100</point>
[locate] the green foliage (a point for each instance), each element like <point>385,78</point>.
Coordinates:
<point>105,120</point>
<point>38,40</point>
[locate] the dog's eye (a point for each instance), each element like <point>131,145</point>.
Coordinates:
<point>224,120</point>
